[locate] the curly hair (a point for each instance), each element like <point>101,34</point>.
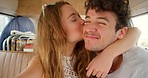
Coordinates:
<point>119,7</point>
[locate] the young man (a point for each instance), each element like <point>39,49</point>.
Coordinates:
<point>106,22</point>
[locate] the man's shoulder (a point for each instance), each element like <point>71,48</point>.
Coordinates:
<point>136,60</point>
<point>137,51</point>
<point>134,64</point>
<point>136,54</point>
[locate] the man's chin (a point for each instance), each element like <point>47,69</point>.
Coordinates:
<point>93,49</point>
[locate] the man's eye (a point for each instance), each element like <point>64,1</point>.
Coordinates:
<point>101,23</point>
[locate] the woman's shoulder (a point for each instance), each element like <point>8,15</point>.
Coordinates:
<point>33,70</point>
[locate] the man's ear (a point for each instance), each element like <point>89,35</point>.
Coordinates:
<point>122,32</point>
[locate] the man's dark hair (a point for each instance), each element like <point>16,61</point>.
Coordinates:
<point>119,7</point>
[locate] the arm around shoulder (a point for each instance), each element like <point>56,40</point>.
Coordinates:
<point>122,45</point>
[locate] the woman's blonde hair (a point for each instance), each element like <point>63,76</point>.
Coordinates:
<point>51,40</point>
<point>83,58</point>
<point>51,43</point>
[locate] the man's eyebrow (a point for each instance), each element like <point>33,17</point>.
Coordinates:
<point>71,15</point>
<point>103,18</point>
<point>99,18</point>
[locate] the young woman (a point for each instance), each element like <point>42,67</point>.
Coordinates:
<point>59,44</point>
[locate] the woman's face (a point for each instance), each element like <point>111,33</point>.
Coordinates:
<point>72,23</point>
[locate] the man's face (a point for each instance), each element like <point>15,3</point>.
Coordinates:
<point>99,30</point>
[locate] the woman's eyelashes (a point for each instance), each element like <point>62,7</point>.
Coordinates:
<point>74,19</point>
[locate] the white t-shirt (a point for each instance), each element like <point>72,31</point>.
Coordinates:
<point>134,64</point>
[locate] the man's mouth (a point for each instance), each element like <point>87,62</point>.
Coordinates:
<point>91,37</point>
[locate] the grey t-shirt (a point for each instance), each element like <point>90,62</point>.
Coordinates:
<point>134,64</point>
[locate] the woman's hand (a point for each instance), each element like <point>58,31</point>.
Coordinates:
<point>100,66</point>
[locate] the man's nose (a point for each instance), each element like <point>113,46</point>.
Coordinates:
<point>90,28</point>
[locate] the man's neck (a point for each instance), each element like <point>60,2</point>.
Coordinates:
<point>116,63</point>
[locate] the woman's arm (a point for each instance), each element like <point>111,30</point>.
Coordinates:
<point>34,70</point>
<point>102,63</point>
<point>122,45</point>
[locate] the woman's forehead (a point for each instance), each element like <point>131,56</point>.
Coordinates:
<point>68,10</point>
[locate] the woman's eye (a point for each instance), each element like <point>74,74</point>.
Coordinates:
<point>74,19</point>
